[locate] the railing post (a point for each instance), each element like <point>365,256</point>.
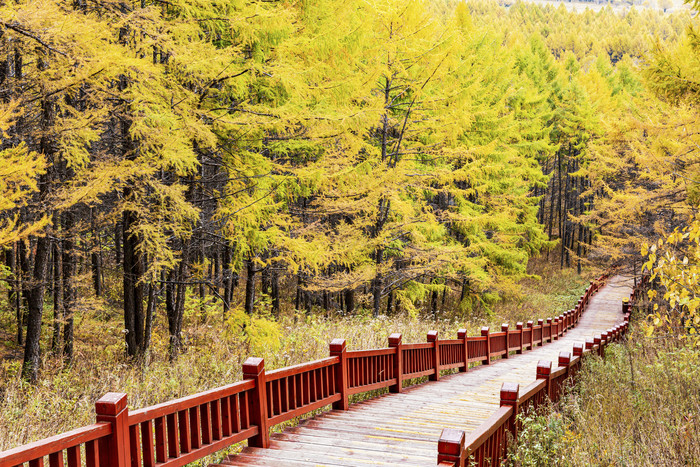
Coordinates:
<point>578,350</point>
<point>433,337</point>
<point>549,323</point>
<point>338,349</point>
<point>504,328</point>
<point>565,361</point>
<point>540,323</point>
<point>114,450</point>
<point>532,334</point>
<point>254,368</point>
<point>554,333</point>
<point>395,342</point>
<point>462,334</point>
<point>598,340</point>
<point>544,370</point>
<point>519,327</point>
<point>509,398</point>
<point>451,447</point>
<point>485,332</point>
<point>562,325</point>
<point>589,344</point>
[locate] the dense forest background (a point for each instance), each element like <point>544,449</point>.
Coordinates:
<point>171,171</point>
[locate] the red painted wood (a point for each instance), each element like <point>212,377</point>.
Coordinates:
<point>485,333</point>
<point>254,369</point>
<point>73,456</point>
<point>135,446</point>
<point>56,459</point>
<point>395,343</point>
<point>160,439</point>
<point>31,451</point>
<point>148,452</point>
<point>183,424</point>
<point>92,454</point>
<point>112,408</point>
<point>435,354</point>
<point>338,349</point>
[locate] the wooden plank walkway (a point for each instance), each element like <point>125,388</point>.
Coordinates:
<point>404,428</point>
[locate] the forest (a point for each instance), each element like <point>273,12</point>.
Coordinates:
<point>186,182</point>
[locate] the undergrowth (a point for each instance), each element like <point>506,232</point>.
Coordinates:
<point>640,406</point>
<point>215,349</point>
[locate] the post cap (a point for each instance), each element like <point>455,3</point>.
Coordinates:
<point>337,345</point>
<point>540,322</point>
<point>530,324</point>
<point>564,358</point>
<point>544,368</point>
<point>111,403</point>
<point>253,366</point>
<point>451,442</point>
<point>578,350</point>
<point>484,330</point>
<point>519,325</point>
<point>395,339</point>
<point>504,327</point>
<point>509,392</point>
<point>461,334</point>
<point>432,336</point>
<point>589,343</point>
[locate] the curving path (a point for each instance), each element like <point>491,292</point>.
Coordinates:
<point>404,428</point>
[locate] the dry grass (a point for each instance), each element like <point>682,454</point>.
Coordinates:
<point>65,395</point>
<point>638,407</point>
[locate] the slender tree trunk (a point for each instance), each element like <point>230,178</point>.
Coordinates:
<point>57,294</point>
<point>377,284</point>
<point>250,286</point>
<point>96,257</point>
<point>150,314</point>
<point>228,279</point>
<point>434,302</point>
<point>349,301</point>
<point>133,288</point>
<point>118,243</point>
<point>23,289</point>
<point>390,302</point>
<point>15,298</point>
<point>275,290</point>
<point>69,261</point>
<point>35,308</point>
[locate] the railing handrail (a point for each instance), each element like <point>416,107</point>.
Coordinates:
<point>456,450</point>
<point>202,423</point>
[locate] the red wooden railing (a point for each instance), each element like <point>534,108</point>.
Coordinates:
<point>181,431</point>
<point>487,445</point>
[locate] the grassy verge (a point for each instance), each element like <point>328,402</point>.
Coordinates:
<point>215,349</point>
<point>638,407</point>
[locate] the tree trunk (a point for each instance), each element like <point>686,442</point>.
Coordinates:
<point>35,308</point>
<point>96,262</point>
<point>377,283</point>
<point>349,301</point>
<point>250,286</point>
<point>133,287</point>
<point>118,243</point>
<point>69,261</point>
<point>275,290</point>
<point>57,295</point>
<point>15,298</point>
<point>150,313</point>
<point>228,279</point>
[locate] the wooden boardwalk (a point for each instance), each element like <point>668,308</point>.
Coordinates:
<point>404,428</point>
